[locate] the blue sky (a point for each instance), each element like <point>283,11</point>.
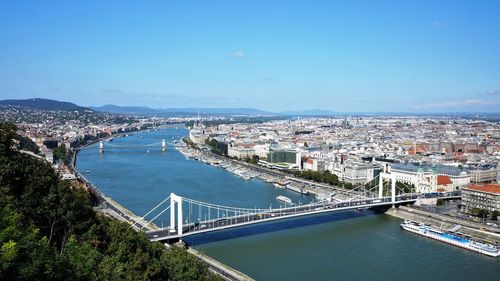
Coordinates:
<point>413,56</point>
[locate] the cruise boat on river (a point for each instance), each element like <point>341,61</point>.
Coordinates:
<point>453,239</point>
<point>284,199</point>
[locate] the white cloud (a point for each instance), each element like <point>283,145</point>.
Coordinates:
<point>457,104</point>
<point>238,54</point>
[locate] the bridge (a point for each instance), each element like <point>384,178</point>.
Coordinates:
<point>191,217</point>
<point>162,145</point>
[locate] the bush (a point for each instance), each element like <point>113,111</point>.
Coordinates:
<point>49,231</point>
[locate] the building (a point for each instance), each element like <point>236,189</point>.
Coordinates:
<point>354,172</point>
<point>311,164</point>
<point>283,156</point>
<point>240,152</point>
<point>418,174</point>
<point>484,174</point>
<point>358,173</point>
<point>481,196</point>
<point>198,136</point>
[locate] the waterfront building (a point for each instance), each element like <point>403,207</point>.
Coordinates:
<point>354,172</point>
<point>241,151</point>
<point>481,196</point>
<point>418,174</point>
<point>283,156</point>
<point>311,164</point>
<point>198,136</point>
<point>261,150</point>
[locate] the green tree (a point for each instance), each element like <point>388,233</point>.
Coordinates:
<point>49,231</point>
<point>60,153</point>
<point>26,143</point>
<point>483,213</point>
<point>494,215</point>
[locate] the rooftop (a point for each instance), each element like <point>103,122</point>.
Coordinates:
<point>490,188</point>
<point>441,169</point>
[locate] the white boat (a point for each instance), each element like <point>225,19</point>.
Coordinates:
<point>284,199</point>
<point>453,239</point>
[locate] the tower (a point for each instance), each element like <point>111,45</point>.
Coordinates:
<point>434,179</point>
<point>176,201</point>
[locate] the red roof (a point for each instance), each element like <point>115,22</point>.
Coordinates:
<point>444,180</point>
<point>492,188</point>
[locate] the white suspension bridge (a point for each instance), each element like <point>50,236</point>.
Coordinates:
<point>189,217</point>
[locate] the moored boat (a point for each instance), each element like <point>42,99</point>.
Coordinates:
<point>453,239</point>
<point>284,199</point>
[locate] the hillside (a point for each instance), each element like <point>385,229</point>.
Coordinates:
<point>49,231</point>
<point>45,104</point>
<point>111,108</point>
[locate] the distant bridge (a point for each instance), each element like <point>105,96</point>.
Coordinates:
<point>162,144</point>
<point>191,217</point>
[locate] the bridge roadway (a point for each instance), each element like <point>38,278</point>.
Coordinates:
<point>284,213</point>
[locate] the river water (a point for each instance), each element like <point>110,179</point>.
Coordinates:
<point>355,245</point>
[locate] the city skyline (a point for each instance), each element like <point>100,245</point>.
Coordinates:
<point>359,56</point>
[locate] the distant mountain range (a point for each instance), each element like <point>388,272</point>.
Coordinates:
<point>187,110</point>
<point>193,110</point>
<point>45,104</point>
<point>310,112</point>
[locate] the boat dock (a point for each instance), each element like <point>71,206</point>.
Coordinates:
<point>298,189</point>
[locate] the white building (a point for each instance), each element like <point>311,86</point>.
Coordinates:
<point>415,174</point>
<point>198,136</point>
<point>240,152</point>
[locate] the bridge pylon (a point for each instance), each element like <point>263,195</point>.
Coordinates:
<point>393,190</point>
<point>381,186</point>
<point>173,200</point>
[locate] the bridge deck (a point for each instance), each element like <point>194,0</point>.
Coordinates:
<point>278,214</point>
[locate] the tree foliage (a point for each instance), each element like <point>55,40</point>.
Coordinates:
<point>494,215</point>
<point>49,231</point>
<point>60,152</point>
<point>26,143</point>
<point>324,177</point>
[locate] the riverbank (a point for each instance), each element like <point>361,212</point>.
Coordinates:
<point>277,178</point>
<point>221,269</point>
<point>111,208</point>
<point>107,205</point>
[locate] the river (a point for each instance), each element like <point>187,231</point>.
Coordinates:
<point>355,245</point>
